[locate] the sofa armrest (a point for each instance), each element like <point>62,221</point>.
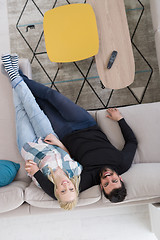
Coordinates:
<point>155,14</point>
<point>25,66</point>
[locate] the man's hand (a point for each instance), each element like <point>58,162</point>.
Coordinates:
<point>114,114</point>
<point>31,167</point>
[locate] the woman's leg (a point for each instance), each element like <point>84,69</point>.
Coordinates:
<point>68,110</point>
<point>24,129</point>
<point>38,119</point>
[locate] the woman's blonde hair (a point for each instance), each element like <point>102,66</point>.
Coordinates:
<point>66,205</point>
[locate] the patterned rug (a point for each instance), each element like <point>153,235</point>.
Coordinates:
<point>28,15</point>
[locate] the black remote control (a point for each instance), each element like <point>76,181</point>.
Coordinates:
<point>111,60</point>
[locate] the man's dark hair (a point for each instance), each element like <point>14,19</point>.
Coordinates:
<point>116,195</point>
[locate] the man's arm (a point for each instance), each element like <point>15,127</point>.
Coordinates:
<point>127,132</point>
<point>130,146</point>
<point>88,180</point>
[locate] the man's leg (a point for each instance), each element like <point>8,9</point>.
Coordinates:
<point>68,110</point>
<point>59,124</point>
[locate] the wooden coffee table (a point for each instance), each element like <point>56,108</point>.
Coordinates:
<point>113,35</point>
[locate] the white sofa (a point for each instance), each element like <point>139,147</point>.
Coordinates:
<point>142,180</point>
<point>155,14</point>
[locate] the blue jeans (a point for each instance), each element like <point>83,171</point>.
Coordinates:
<point>64,115</point>
<point>31,122</point>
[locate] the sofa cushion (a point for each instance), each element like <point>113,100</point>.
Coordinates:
<point>145,126</point>
<point>93,114</point>
<point>8,171</point>
<point>157,42</point>
<point>142,182</point>
<point>12,196</point>
<point>35,196</point>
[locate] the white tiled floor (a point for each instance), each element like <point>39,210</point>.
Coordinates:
<point>106,224</point>
<point>115,223</point>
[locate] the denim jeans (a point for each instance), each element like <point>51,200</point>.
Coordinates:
<point>64,115</point>
<point>31,122</point>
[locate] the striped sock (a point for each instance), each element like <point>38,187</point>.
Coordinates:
<point>6,59</point>
<point>14,60</point>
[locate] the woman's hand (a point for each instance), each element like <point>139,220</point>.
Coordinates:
<point>51,139</point>
<point>31,167</point>
<point>114,114</point>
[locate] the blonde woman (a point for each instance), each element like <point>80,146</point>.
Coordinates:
<point>43,152</point>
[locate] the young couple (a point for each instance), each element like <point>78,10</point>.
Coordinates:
<point>77,154</point>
